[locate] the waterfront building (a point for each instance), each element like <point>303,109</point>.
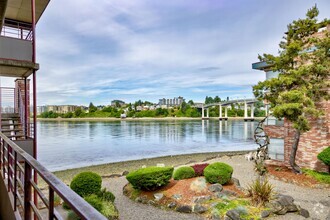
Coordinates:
<point>281,132</point>
<point>62,109</point>
<point>176,101</point>
<point>20,195</point>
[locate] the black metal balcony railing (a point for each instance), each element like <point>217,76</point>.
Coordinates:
<point>17,169</point>
<point>16,29</point>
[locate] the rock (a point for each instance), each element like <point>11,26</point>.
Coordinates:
<point>151,202</point>
<point>229,193</point>
<point>275,207</point>
<point>282,211</point>
<point>158,196</point>
<point>198,185</point>
<point>264,214</point>
<point>177,196</point>
<point>304,213</point>
<point>201,199</point>
<point>235,181</point>
<point>142,199</point>
<point>233,214</point>
<point>285,200</point>
<point>215,216</point>
<point>221,195</point>
<point>292,208</point>
<point>184,209</point>
<point>215,187</point>
<point>115,175</point>
<point>125,173</point>
<point>200,209</point>
<point>171,205</point>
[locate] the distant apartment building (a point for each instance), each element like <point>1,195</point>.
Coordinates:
<point>61,108</point>
<point>117,102</point>
<point>176,101</point>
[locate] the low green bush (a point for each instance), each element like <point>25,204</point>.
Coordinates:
<point>109,210</point>
<point>94,201</point>
<point>218,173</point>
<point>106,195</point>
<point>184,173</point>
<point>86,183</point>
<point>150,178</point>
<point>324,156</point>
<point>72,216</point>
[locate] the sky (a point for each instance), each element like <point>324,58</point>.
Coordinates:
<point>98,51</point>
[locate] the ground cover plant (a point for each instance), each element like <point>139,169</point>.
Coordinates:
<point>324,156</point>
<point>322,177</point>
<point>150,178</point>
<point>218,173</point>
<point>183,173</point>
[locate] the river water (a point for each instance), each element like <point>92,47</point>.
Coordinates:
<point>67,144</point>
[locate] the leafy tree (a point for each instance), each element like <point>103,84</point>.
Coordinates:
<point>217,99</point>
<point>191,102</point>
<point>183,107</point>
<point>303,64</point>
<point>92,108</point>
<point>78,112</point>
<point>208,100</point>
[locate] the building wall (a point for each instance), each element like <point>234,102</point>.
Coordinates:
<point>311,143</point>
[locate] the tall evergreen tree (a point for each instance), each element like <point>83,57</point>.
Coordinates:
<point>303,64</point>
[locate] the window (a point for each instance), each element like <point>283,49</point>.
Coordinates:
<point>276,148</point>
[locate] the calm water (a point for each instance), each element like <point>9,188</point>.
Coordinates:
<point>63,145</point>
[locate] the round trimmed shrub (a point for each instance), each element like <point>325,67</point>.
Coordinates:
<point>150,178</point>
<point>218,173</point>
<point>184,173</point>
<point>86,183</point>
<point>94,201</point>
<point>324,156</point>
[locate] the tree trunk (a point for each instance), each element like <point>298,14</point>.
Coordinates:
<point>294,149</point>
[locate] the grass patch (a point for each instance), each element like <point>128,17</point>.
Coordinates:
<point>109,210</point>
<point>244,207</point>
<point>319,176</point>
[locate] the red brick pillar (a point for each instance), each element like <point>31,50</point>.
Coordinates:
<point>20,98</point>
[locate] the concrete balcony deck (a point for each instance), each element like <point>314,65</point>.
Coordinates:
<point>16,57</point>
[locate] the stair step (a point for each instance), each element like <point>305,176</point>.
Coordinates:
<point>9,124</point>
<point>9,130</point>
<point>10,119</point>
<point>16,136</point>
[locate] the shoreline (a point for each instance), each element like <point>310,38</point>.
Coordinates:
<point>138,119</point>
<point>117,168</point>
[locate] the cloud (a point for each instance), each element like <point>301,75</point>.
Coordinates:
<point>148,49</point>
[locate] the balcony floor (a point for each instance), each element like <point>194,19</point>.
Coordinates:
<point>17,68</point>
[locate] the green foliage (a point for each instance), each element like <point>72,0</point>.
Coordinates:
<point>86,183</point>
<point>319,176</point>
<point>106,195</point>
<point>218,173</point>
<point>183,173</point>
<point>150,178</point>
<point>261,191</point>
<point>324,156</point>
<point>94,201</point>
<point>303,72</point>
<point>72,216</point>
<point>109,210</point>
<point>65,206</point>
<point>57,200</point>
<point>92,108</point>
<point>49,114</point>
<point>225,206</point>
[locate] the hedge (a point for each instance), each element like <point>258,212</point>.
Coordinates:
<point>150,178</point>
<point>183,173</point>
<point>218,173</point>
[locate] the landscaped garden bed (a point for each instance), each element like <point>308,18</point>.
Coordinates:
<point>212,193</point>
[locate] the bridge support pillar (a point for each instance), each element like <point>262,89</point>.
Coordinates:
<point>220,113</point>
<point>207,112</point>
<point>226,112</point>
<point>246,118</point>
<point>203,113</point>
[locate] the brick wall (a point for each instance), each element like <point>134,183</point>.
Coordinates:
<point>311,143</point>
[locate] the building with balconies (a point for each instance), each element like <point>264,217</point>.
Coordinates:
<point>20,195</point>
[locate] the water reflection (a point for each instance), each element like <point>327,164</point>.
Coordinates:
<point>72,144</point>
